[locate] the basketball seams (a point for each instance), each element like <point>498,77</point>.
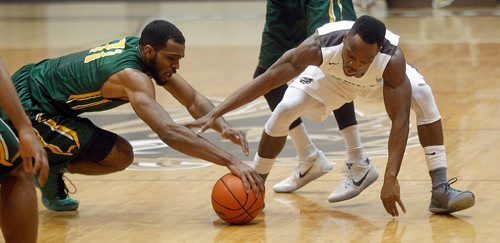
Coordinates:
<point>242,206</point>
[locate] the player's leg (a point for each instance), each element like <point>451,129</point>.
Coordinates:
<point>359,171</point>
<point>445,199</point>
<point>18,205</point>
<point>76,145</point>
<point>357,163</point>
<point>18,202</point>
<point>276,129</point>
<point>295,103</point>
<point>284,29</point>
<point>107,154</point>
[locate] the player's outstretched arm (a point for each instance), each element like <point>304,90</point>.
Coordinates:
<point>198,105</point>
<point>291,64</point>
<point>140,92</point>
<point>33,155</point>
<point>397,100</point>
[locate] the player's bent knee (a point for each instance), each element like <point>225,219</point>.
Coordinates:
<point>278,124</point>
<point>423,104</point>
<point>109,149</point>
<point>19,175</point>
<point>124,154</point>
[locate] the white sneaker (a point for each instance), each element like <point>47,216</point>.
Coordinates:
<point>319,167</point>
<point>356,179</point>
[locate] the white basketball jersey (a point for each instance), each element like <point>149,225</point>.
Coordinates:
<point>328,83</point>
<point>331,36</point>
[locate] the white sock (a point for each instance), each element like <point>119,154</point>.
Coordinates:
<point>435,156</point>
<point>302,142</point>
<point>352,140</point>
<point>262,165</point>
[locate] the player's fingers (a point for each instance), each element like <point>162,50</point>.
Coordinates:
<point>389,207</point>
<point>244,143</point>
<point>254,186</point>
<point>246,184</point>
<point>401,204</point>
<point>202,129</point>
<point>44,171</point>
<point>395,210</point>
<point>260,182</point>
<point>28,164</point>
<point>386,208</point>
<point>189,125</point>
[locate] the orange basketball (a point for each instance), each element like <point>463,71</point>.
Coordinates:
<point>232,204</point>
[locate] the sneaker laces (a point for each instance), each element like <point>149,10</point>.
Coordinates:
<point>447,185</point>
<point>296,174</point>
<point>347,178</point>
<point>62,190</point>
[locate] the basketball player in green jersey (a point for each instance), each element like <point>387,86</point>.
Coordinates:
<point>288,23</point>
<point>56,91</point>
<point>18,160</point>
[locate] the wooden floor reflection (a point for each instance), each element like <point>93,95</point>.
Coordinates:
<point>458,52</point>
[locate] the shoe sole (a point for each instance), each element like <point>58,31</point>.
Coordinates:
<point>60,209</point>
<point>454,207</point>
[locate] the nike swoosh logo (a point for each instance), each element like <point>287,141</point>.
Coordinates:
<point>305,173</point>
<point>433,153</point>
<point>333,63</point>
<point>358,183</point>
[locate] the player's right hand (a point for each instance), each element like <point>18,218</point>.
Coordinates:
<point>390,196</point>
<point>34,156</point>
<point>250,177</point>
<point>205,122</point>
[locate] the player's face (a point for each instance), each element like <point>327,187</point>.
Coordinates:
<point>357,55</point>
<point>166,62</point>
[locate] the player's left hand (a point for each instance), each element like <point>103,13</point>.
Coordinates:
<point>237,137</point>
<point>34,156</point>
<point>390,196</point>
<point>251,179</point>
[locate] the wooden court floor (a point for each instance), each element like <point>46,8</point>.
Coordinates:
<point>165,196</point>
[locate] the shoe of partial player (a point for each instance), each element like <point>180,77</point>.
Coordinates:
<point>356,179</point>
<point>55,193</point>
<point>320,166</point>
<point>446,199</point>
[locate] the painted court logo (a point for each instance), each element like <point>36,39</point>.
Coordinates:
<point>152,154</point>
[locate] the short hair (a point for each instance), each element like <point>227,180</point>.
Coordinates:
<point>158,32</point>
<point>370,29</point>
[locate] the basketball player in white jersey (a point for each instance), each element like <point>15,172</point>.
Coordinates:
<point>341,61</point>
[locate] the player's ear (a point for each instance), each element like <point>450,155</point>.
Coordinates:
<point>148,51</point>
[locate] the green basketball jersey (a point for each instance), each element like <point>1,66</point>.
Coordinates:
<point>72,84</point>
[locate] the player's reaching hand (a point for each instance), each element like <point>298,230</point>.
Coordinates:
<point>251,180</point>
<point>203,123</point>
<point>237,137</point>
<point>390,196</point>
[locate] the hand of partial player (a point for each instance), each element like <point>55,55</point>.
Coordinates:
<point>390,196</point>
<point>237,137</point>
<point>251,180</point>
<point>34,156</point>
